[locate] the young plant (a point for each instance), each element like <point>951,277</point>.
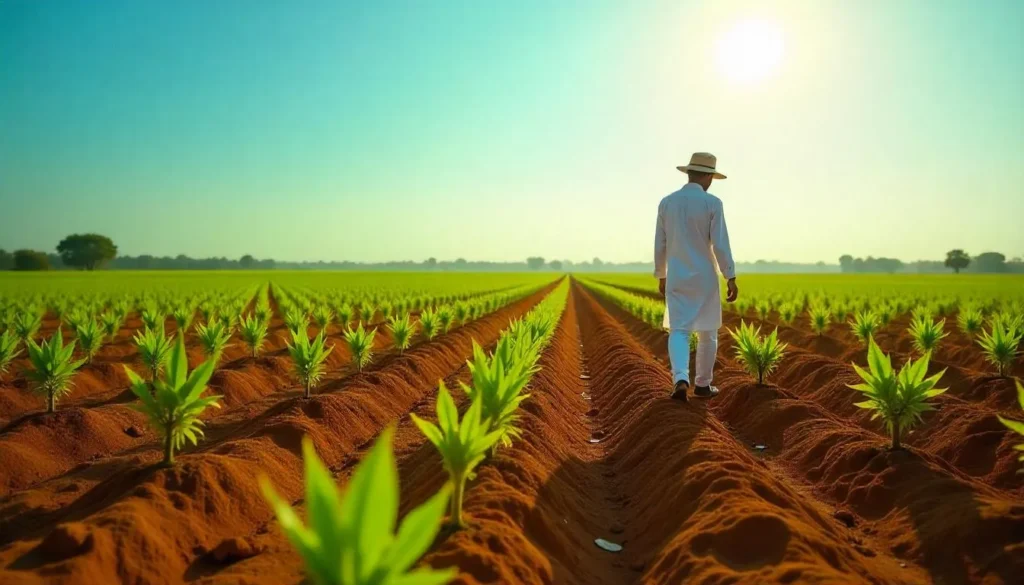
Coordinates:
<point>1000,347</point>
<point>445,317</point>
<point>402,330</point>
<point>927,333</point>
<point>296,321</point>
<point>1017,426</point>
<point>253,331</point>
<point>154,349</point>
<point>322,316</point>
<point>885,313</point>
<point>760,355</point>
<point>52,368</point>
<point>897,398</point>
<point>308,358</point>
<point>175,403</point>
<point>227,320</point>
<point>462,444</point>
<point>820,318</point>
<point>763,308</point>
<point>864,326</point>
<point>90,338</point>
<point>183,317</point>
<point>351,537</point>
<point>429,323</point>
<point>461,313</point>
<point>8,350</point>
<point>152,319</point>
<point>345,315</point>
<point>787,312</point>
<point>970,321</point>
<point>27,324</point>
<point>360,345</point>
<point>498,381</point>
<point>213,338</point>
<point>386,310</point>
<point>366,313</point>
<point>111,323</point>
<point>262,312</point>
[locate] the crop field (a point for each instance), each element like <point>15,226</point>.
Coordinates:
<point>325,427</point>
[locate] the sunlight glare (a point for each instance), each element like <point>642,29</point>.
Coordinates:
<point>750,51</point>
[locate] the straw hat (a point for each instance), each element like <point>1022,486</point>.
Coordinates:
<point>702,162</point>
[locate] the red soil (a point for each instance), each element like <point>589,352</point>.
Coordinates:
<point>676,484</point>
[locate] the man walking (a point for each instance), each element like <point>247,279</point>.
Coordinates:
<point>690,239</point>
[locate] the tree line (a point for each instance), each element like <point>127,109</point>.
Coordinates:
<point>92,251</point>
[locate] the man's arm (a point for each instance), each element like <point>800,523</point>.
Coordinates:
<point>723,252</point>
<point>660,251</point>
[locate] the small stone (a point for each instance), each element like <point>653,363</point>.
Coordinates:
<point>67,540</point>
<point>903,565</point>
<point>235,549</point>
<point>133,431</point>
<point>584,376</point>
<point>608,545</point>
<point>845,517</point>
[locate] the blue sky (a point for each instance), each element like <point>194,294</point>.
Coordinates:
<point>497,130</point>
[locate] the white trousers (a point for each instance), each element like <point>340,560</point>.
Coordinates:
<point>679,355</point>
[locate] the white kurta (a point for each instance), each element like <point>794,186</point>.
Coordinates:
<point>690,240</point>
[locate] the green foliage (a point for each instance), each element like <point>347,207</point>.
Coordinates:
<point>445,317</point>
<point>52,368</point>
<point>183,316</point>
<point>462,444</point>
<point>90,338</point>
<point>970,321</point>
<point>429,323</point>
<point>213,338</point>
<point>787,312</point>
<point>366,313</point>
<point>864,325</point>
<point>296,321</point>
<point>111,322</point>
<point>360,346</point>
<point>820,318</point>
<point>152,319</point>
<point>402,331</point>
<point>27,323</point>
<point>253,332</point>
<point>176,402</point>
<point>763,308</point>
<point>1000,347</point>
<point>345,315</point>
<point>154,349</point>
<point>927,333</point>
<point>499,381</point>
<point>1017,426</point>
<point>308,358</point>
<point>461,312</point>
<point>759,354</point>
<point>322,316</point>
<point>8,350</point>
<point>351,537</point>
<point>898,398</point>
<point>87,251</point>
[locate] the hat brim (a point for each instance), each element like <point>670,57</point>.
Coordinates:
<point>700,169</point>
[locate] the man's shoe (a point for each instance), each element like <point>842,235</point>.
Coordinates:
<point>705,391</point>
<point>680,390</point>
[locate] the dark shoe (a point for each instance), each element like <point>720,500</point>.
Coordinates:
<point>680,390</point>
<point>705,391</point>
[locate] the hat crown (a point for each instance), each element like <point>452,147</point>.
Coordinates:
<point>703,159</point>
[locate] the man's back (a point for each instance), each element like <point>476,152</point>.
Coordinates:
<point>691,221</point>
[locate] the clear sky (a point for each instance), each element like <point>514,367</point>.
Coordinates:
<point>393,130</point>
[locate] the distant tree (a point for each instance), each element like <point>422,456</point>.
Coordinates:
<point>957,260</point>
<point>6,260</point>
<point>30,260</point>
<point>87,251</point>
<point>460,263</point>
<point>990,262</point>
<point>430,262</point>
<point>535,262</point>
<point>597,262</point>
<point>846,263</point>
<point>246,262</point>
<point>555,265</point>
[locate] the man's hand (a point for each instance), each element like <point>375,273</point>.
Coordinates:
<point>661,286</point>
<point>734,291</point>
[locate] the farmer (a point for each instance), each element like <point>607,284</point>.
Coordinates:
<point>689,240</point>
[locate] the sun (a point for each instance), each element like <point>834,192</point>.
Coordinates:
<point>750,51</point>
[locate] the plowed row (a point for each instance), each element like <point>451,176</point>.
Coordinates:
<point>604,454</point>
